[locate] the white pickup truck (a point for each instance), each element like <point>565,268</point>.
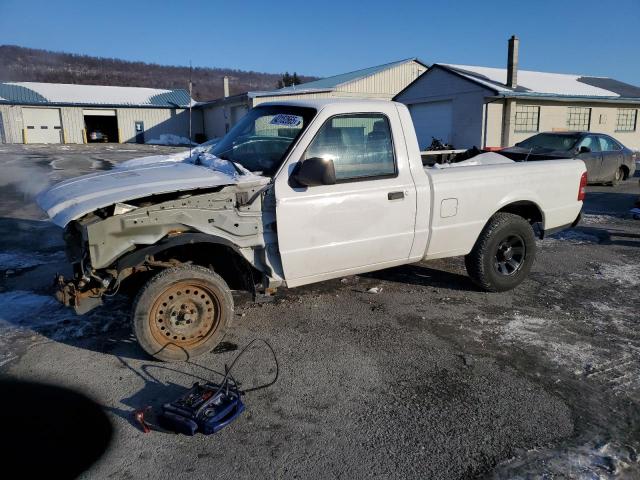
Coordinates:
<point>297,192</point>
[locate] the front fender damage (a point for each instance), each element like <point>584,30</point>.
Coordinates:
<point>231,216</point>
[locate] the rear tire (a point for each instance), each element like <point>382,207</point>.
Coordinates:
<point>182,313</point>
<point>503,254</point>
<point>618,177</point>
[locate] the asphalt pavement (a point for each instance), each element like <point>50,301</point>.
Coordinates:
<point>429,378</point>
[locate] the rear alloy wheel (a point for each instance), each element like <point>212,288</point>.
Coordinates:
<point>503,254</point>
<point>182,312</point>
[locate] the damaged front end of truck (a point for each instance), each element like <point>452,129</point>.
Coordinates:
<point>124,222</point>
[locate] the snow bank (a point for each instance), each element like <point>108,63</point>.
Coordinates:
<point>170,139</point>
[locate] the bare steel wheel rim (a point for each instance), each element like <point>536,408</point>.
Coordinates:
<point>619,174</point>
<point>510,255</point>
<point>186,314</point>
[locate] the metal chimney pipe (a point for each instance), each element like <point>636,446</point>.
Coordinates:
<point>225,81</point>
<point>512,62</point>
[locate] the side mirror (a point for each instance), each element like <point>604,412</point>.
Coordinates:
<point>315,171</point>
<point>584,149</point>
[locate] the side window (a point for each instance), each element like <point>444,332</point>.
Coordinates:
<point>605,145</point>
<point>590,142</point>
<point>359,145</point>
<point>608,144</point>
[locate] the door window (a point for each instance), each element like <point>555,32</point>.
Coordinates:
<point>360,146</point>
<point>608,144</point>
<point>590,142</point>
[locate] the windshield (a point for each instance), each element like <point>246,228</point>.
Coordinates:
<point>550,141</point>
<point>262,138</point>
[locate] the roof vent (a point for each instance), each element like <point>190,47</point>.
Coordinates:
<point>512,62</point>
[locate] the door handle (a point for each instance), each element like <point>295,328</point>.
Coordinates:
<point>395,195</point>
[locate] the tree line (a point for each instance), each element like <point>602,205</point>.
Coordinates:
<point>21,64</point>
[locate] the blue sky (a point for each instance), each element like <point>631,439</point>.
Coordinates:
<point>329,37</point>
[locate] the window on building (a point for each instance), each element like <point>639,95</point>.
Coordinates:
<point>359,145</point>
<point>579,118</point>
<point>626,120</point>
<point>527,118</point>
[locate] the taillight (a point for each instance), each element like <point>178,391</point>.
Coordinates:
<point>582,190</point>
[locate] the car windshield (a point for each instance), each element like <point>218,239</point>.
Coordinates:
<point>550,141</point>
<point>262,138</point>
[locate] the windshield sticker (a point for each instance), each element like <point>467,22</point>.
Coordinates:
<point>287,120</point>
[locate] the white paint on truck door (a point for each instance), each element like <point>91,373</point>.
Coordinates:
<point>432,120</point>
<point>42,125</point>
<point>366,219</point>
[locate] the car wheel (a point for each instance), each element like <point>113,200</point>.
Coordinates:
<point>618,176</point>
<point>181,313</point>
<point>503,254</point>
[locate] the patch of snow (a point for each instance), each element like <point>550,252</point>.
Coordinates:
<point>153,160</point>
<point>225,166</point>
<point>537,82</point>
<point>185,155</point>
<point>576,237</point>
<point>626,275</point>
<point>15,260</point>
<point>170,139</point>
<point>533,331</point>
<point>23,312</point>
<point>489,158</point>
<point>20,307</point>
<point>100,94</point>
<point>597,461</point>
<point>591,218</point>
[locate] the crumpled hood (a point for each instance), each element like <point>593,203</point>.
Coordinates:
<point>73,198</point>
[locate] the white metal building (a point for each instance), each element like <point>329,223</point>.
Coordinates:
<point>381,81</point>
<point>486,107</point>
<point>33,112</point>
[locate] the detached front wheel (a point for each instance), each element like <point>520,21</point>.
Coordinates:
<point>503,254</point>
<point>181,313</point>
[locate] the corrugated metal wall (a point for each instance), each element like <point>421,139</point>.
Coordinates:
<point>157,121</point>
<point>72,124</point>
<point>385,84</point>
<point>11,123</point>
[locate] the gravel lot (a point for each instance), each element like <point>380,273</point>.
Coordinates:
<point>429,378</point>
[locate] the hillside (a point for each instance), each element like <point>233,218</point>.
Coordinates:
<point>30,65</point>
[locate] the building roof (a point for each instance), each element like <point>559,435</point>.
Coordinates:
<point>327,84</point>
<point>546,84</point>
<point>35,93</point>
<point>330,83</point>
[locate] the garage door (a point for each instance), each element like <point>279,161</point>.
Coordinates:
<point>431,120</point>
<point>43,125</point>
